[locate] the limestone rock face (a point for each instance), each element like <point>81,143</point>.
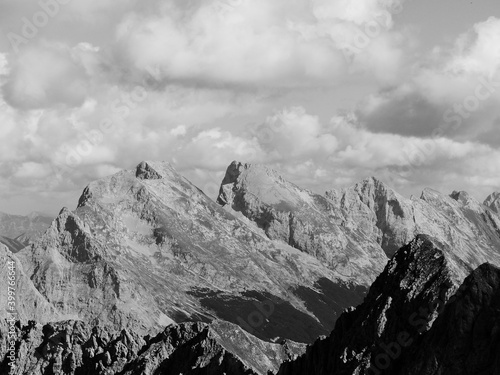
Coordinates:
<point>146,248</point>
<point>401,304</point>
<point>73,347</point>
<point>306,221</point>
<point>493,202</point>
<point>30,304</point>
<point>414,319</point>
<point>347,227</point>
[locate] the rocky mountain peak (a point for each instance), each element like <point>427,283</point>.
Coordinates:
<point>373,182</point>
<point>467,200</point>
<point>430,195</point>
<point>153,170</point>
<point>464,338</point>
<point>297,217</point>
<point>493,202</point>
<point>259,181</point>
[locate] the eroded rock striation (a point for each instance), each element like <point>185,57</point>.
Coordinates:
<point>73,347</point>
<point>146,248</point>
<point>412,309</point>
<point>493,202</point>
<point>352,229</point>
<point>465,338</point>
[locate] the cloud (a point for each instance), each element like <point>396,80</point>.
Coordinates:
<point>43,77</point>
<point>293,134</point>
<point>454,92</point>
<point>241,42</point>
<point>107,84</point>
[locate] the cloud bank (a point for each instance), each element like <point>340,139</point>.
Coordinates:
<point>102,86</point>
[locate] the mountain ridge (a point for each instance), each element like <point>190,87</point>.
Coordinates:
<point>145,248</point>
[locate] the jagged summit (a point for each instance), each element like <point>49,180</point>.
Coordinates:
<point>148,170</point>
<point>260,181</point>
<point>415,319</point>
<point>146,248</point>
<point>493,202</point>
<point>464,338</point>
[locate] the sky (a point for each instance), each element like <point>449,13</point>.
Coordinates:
<point>328,92</point>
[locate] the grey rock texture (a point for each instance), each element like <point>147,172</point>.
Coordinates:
<point>351,229</point>
<point>146,248</point>
<point>30,303</point>
<point>312,223</point>
<point>75,348</point>
<point>402,303</point>
<point>415,320</point>
<point>465,339</point>
<point>493,202</point>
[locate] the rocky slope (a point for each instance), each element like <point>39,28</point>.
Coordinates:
<point>73,347</point>
<point>24,229</point>
<point>393,323</point>
<point>146,248</point>
<point>29,301</point>
<point>351,229</point>
<point>304,220</point>
<point>465,339</point>
<point>493,202</point>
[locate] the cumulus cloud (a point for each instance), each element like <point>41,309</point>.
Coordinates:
<point>242,42</point>
<point>107,84</point>
<point>455,92</point>
<point>293,134</point>
<point>45,76</point>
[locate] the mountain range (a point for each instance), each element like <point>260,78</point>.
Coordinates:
<point>149,275</point>
<point>18,231</point>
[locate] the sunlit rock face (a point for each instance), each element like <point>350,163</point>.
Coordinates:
<point>146,248</point>
<point>309,222</point>
<point>493,202</point>
<point>352,229</point>
<point>422,313</point>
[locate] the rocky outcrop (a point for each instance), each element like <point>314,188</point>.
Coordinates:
<point>28,303</point>
<point>493,202</point>
<point>465,338</point>
<point>306,221</point>
<point>402,303</point>
<point>73,347</point>
<point>346,227</point>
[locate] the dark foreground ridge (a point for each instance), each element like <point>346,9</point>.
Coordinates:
<point>415,321</point>
<point>75,348</point>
